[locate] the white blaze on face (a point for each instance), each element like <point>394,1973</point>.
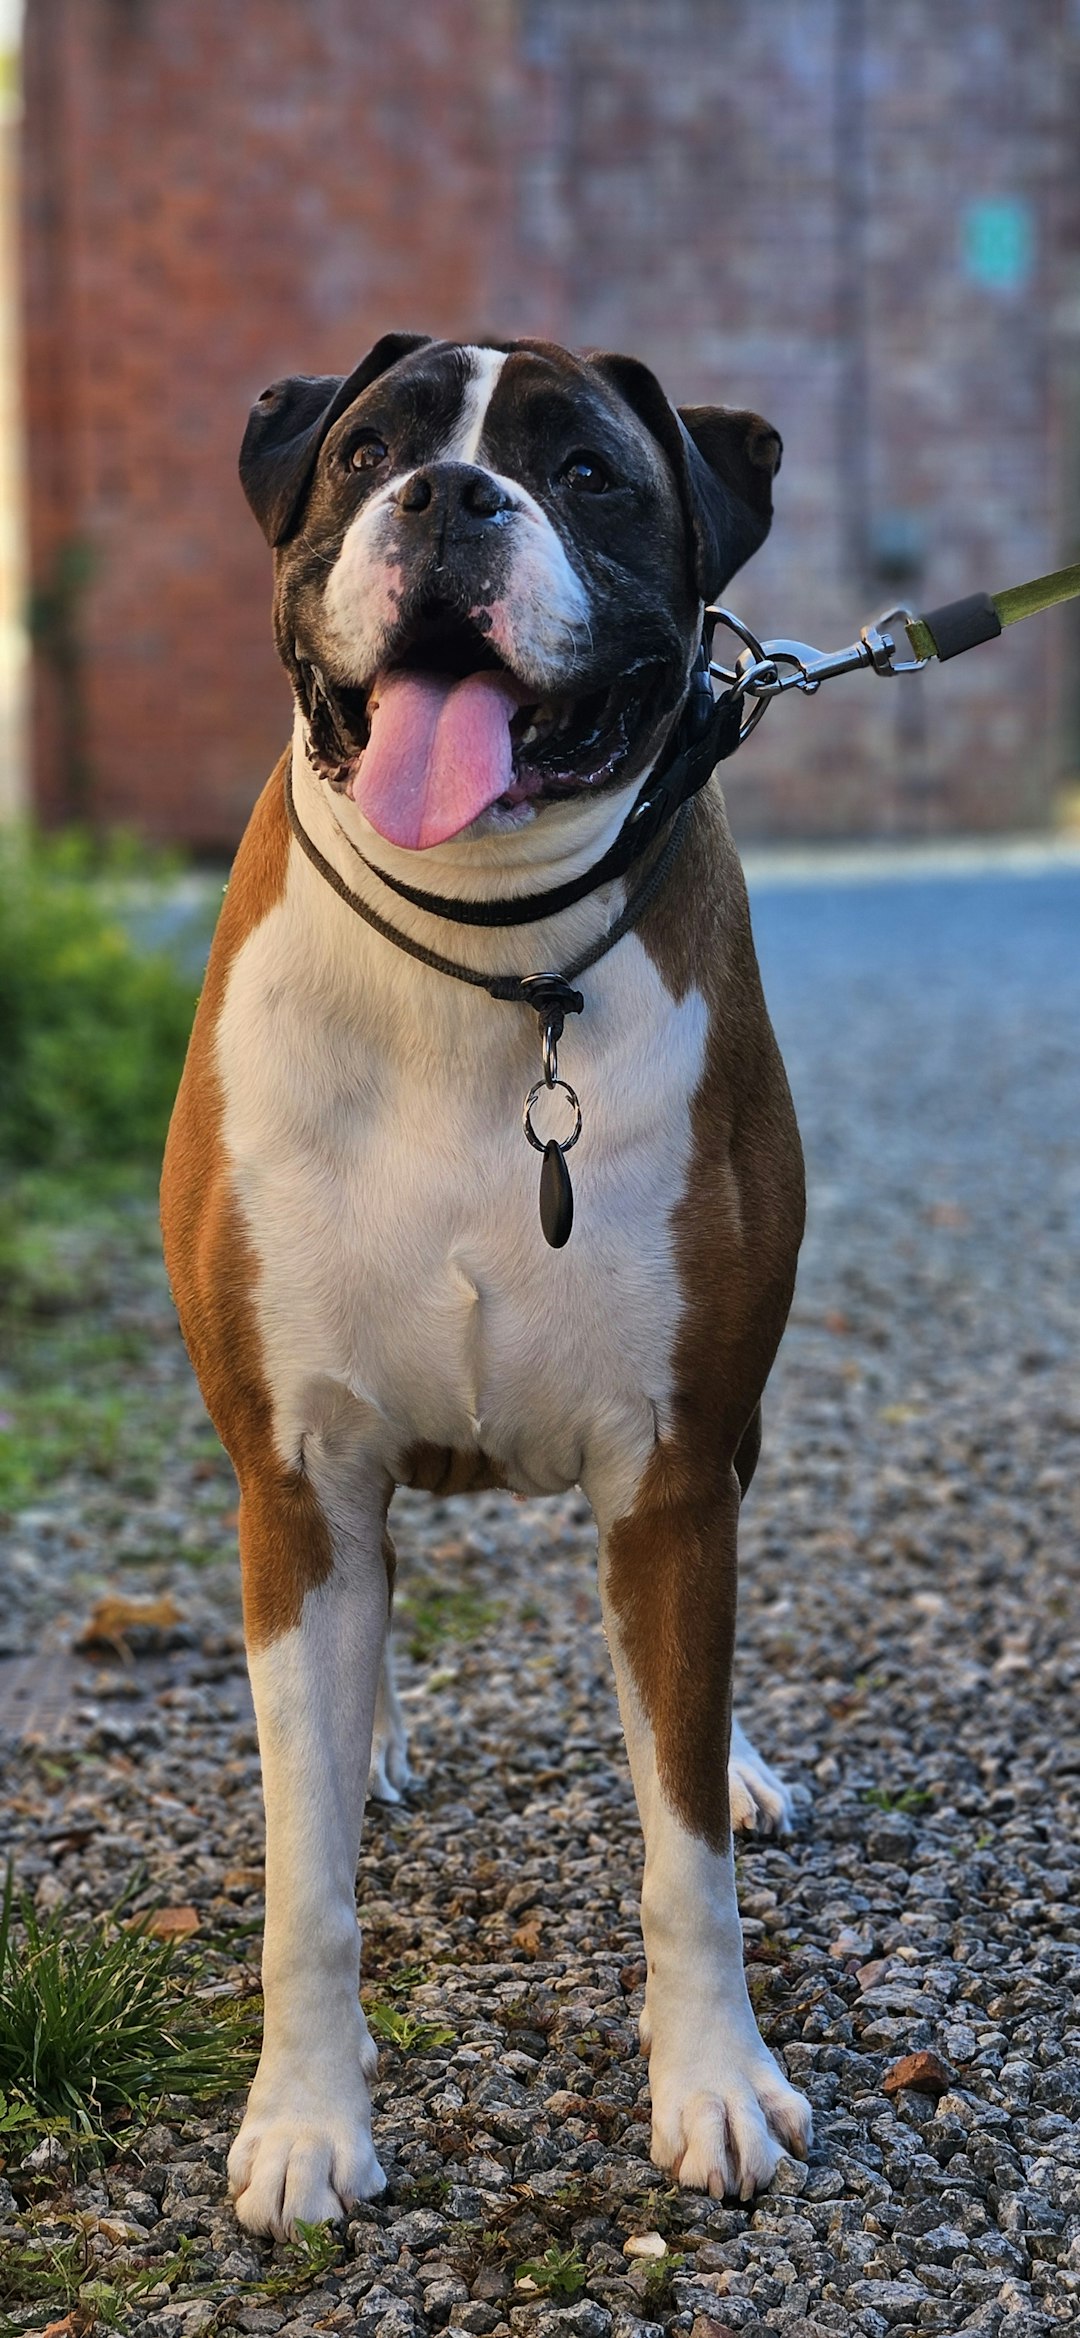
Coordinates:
<point>439,752</point>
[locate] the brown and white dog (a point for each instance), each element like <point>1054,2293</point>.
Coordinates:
<point>491,564</point>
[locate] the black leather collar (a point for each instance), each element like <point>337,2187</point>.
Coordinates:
<point>706,733</point>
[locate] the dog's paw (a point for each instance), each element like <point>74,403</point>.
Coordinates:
<point>389,1775</point>
<point>760,1801</point>
<point>301,2159</point>
<point>722,2121</point>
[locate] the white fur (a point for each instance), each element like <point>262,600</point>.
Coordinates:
<point>758,1796</point>
<point>373,1117</point>
<point>485,367</point>
<point>721,2111</point>
<point>304,2151</point>
<point>389,1775</point>
<point>536,625</point>
<point>404,1292</point>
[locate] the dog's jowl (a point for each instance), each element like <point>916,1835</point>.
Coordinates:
<point>491,566</point>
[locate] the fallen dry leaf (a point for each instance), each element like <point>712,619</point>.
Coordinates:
<point>112,1619</point>
<point>923,2073</point>
<point>243,1879</point>
<point>168,1923</point>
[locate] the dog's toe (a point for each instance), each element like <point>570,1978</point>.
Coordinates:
<point>760,1801</point>
<point>284,2172</point>
<point>728,2137</point>
<point>389,1775</point>
<point>304,2154</point>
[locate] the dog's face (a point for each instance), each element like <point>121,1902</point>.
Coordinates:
<point>490,566</point>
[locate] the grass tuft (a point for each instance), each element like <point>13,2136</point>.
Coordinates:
<point>559,2273</point>
<point>94,2027</point>
<point>405,2030</point>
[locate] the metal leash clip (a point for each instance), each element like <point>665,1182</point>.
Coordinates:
<point>764,670</point>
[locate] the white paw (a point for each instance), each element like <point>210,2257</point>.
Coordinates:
<point>722,2120</point>
<point>760,1801</point>
<point>301,2158</point>
<point>389,1775</point>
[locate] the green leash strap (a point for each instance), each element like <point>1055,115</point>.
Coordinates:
<point>959,625</point>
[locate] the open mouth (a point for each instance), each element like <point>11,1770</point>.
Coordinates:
<point>446,731</point>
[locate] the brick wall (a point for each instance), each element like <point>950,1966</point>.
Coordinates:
<point>767,199</point>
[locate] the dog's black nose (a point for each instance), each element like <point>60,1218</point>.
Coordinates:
<point>455,496</point>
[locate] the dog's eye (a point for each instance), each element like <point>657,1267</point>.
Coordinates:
<point>366,453</point>
<point>585,474</point>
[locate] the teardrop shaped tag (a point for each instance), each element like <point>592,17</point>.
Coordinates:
<point>556,1196</point>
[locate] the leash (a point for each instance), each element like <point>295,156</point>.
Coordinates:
<point>708,731</point>
<point>766,669</point>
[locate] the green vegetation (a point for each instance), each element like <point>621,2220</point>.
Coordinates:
<point>64,2273</point>
<point>79,1317</point>
<point>93,2020</point>
<point>406,2031</point>
<point>94,1027</point>
<point>429,1614</point>
<point>659,2276</point>
<point>559,2273</point>
<point>912,1798</point>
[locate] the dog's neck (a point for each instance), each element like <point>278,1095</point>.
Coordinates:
<point>549,850</point>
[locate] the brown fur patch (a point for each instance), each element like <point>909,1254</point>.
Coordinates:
<point>738,1225</point>
<point>437,1469</point>
<point>284,1540</point>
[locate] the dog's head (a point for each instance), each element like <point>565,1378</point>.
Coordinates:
<point>490,567</point>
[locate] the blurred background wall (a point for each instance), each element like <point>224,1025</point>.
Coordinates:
<point>862,220</point>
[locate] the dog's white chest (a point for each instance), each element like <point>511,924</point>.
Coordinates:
<point>373,1118</point>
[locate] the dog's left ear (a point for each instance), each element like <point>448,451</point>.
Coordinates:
<point>724,462</point>
<point>287,426</point>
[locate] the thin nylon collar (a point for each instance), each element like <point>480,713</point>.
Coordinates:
<point>513,987</point>
<point>706,734</point>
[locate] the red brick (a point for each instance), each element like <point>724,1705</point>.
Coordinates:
<point>214,196</point>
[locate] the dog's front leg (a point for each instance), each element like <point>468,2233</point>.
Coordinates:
<point>304,2151</point>
<point>721,2109</point>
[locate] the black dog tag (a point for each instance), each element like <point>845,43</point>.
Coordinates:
<point>556,1196</point>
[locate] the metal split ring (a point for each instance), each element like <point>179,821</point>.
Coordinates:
<point>544,1088</point>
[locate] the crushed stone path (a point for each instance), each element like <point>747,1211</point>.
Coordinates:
<point>909,1656</point>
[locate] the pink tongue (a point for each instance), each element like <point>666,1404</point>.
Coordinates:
<point>439,753</point>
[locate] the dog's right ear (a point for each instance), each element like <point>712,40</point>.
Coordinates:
<point>287,426</point>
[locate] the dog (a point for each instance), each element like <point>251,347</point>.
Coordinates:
<point>491,565</point>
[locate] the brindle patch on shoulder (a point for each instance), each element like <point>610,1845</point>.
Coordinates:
<point>737,1229</point>
<point>285,1546</point>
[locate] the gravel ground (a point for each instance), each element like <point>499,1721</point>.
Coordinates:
<point>908,1656</point>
